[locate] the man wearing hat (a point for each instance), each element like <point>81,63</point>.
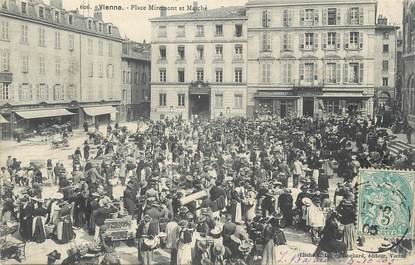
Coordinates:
<point>285,204</point>
<point>145,252</point>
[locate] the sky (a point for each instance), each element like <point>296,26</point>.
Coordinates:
<point>134,24</point>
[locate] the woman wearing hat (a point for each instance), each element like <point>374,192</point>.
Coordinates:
<point>347,217</point>
<point>64,230</point>
<point>184,244</point>
<point>38,226</point>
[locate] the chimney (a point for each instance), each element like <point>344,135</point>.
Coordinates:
<point>163,11</point>
<point>195,6</point>
<point>56,4</point>
<point>382,20</point>
<point>97,13</point>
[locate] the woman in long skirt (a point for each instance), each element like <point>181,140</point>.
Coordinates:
<point>347,217</point>
<point>184,247</point>
<point>64,228</point>
<point>38,225</point>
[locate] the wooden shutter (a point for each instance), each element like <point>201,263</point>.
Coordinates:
<point>361,17</point>
<point>315,66</point>
<point>284,72</point>
<point>269,72</point>
<point>301,71</point>
<point>30,91</point>
<point>38,91</point>
<point>269,41</point>
<point>301,41</point>
<point>284,15</point>
<point>338,16</point>
<point>290,17</point>
<point>268,18</point>
<point>338,73</point>
<point>316,17</point>
<point>47,91</point>
<point>282,38</point>
<point>301,17</point>
<point>289,65</point>
<point>324,40</point>
<point>361,73</point>
<point>345,73</point>
<point>338,40</point>
<point>315,36</point>
<point>290,41</point>
<point>324,16</point>
<point>264,18</point>
<point>346,39</point>
<point>19,92</point>
<point>263,73</point>
<point>361,40</point>
<point>348,16</point>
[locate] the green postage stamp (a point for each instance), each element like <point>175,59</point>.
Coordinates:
<point>385,203</point>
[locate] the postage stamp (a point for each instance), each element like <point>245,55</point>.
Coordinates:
<point>385,204</point>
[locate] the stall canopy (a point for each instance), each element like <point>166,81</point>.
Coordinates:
<point>35,114</point>
<point>2,119</point>
<point>95,111</point>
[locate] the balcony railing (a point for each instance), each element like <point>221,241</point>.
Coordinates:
<point>308,83</point>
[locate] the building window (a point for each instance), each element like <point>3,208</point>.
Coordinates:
<point>219,75</point>
<point>332,16</point>
<point>180,53</point>
<point>57,40</point>
<point>200,31</point>
<point>100,48</point>
<point>266,73</point>
<point>385,81</point>
<point>385,65</point>
<point>238,30</point>
<point>163,75</point>
<point>219,30</point>
<point>219,101</point>
<point>238,75</point>
<point>24,39</point>
<point>354,40</point>
<point>162,31</point>
<point>71,42</point>
<point>385,48</point>
<point>101,70</point>
<point>266,18</point>
<point>331,73</point>
<point>162,99</point>
<point>238,51</point>
<point>4,30</point>
<point>181,31</point>
<point>91,69</point>
<point>72,67</point>
<point>200,52</point>
<point>353,73</point>
<point>89,46</point>
<point>309,72</point>
<point>110,71</point>
<point>199,74</point>
<point>70,19</point>
<point>110,32</point>
<point>286,19</point>
<point>41,37</point>
<point>266,41</point>
<point>162,50</point>
<point>386,36</point>
<point>100,27</point>
<point>238,101</point>
<point>41,12</point>
<point>5,91</point>
<point>25,64</point>
<point>219,52</point>
<point>24,8</point>
<point>5,60</point>
<point>110,49</point>
<point>287,72</point>
<point>42,65</point>
<point>57,16</point>
<point>58,92</point>
<point>287,42</point>
<point>354,15</point>
<point>309,41</point>
<point>43,92</point>
<point>180,75</point>
<point>309,16</point>
<point>181,100</point>
<point>332,106</point>
<point>331,40</point>
<point>25,92</point>
<point>89,24</point>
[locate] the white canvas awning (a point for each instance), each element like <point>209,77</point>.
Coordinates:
<point>95,111</point>
<point>35,114</point>
<point>2,119</point>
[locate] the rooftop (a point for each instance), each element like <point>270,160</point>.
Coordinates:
<point>136,50</point>
<point>305,2</point>
<point>231,12</point>
<point>80,22</point>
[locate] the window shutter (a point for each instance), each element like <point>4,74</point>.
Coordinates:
<point>47,91</point>
<point>315,71</point>
<point>263,72</point>
<point>269,42</point>
<point>264,21</point>
<point>338,40</point>
<point>338,16</point>
<point>301,17</point>
<point>284,72</point>
<point>338,73</point>
<point>361,40</point>
<point>315,35</point>
<point>346,40</point>
<point>284,14</point>
<point>361,73</point>
<point>269,72</point>
<point>324,16</point>
<point>301,42</point>
<point>289,72</point>
<point>19,92</point>
<point>282,39</point>
<point>361,10</point>
<point>290,17</point>
<point>349,16</point>
<point>30,92</point>
<point>345,73</point>
<point>37,91</point>
<point>301,71</point>
<point>290,41</point>
<point>316,17</point>
<point>268,18</point>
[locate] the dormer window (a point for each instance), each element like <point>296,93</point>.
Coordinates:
<point>41,12</point>
<point>70,19</point>
<point>56,16</point>
<point>24,7</point>
<point>100,26</point>
<point>4,4</point>
<point>109,29</point>
<point>90,24</point>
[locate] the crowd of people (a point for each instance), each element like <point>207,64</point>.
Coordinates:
<point>211,192</point>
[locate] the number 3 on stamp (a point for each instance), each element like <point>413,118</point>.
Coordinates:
<point>385,203</point>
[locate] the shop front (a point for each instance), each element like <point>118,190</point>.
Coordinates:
<point>349,106</point>
<point>99,115</point>
<point>272,103</point>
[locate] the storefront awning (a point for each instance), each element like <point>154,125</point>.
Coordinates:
<point>3,120</point>
<point>274,95</point>
<point>344,96</point>
<point>95,111</point>
<point>35,114</point>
